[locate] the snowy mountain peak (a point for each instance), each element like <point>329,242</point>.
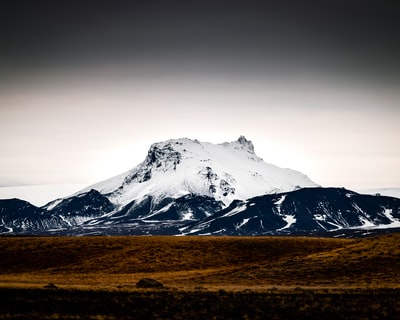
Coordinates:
<point>178,167</point>
<point>243,143</point>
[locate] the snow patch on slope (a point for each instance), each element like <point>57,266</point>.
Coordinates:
<point>242,223</point>
<point>289,219</point>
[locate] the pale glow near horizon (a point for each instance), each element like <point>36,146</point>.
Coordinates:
<point>86,129</point>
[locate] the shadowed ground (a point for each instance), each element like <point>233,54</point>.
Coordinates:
<point>203,277</point>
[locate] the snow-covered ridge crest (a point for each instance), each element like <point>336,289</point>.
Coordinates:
<point>177,167</point>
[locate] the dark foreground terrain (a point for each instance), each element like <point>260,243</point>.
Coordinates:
<point>167,304</point>
<point>203,278</point>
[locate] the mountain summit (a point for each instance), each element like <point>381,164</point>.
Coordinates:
<point>179,167</point>
<point>185,186</point>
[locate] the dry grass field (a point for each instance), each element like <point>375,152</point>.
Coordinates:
<point>203,277</point>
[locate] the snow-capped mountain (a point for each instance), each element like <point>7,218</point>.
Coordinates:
<point>179,167</point>
<point>187,187</point>
<point>19,216</point>
<point>308,210</point>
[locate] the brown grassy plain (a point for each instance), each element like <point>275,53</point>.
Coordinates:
<point>238,266</point>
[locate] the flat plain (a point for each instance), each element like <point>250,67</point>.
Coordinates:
<point>203,277</point>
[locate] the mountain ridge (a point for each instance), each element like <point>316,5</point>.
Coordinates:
<point>188,187</point>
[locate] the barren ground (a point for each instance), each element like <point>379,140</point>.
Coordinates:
<point>203,277</point>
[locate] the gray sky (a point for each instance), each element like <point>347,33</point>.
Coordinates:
<point>85,90</point>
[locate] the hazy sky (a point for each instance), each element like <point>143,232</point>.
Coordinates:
<point>85,89</point>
